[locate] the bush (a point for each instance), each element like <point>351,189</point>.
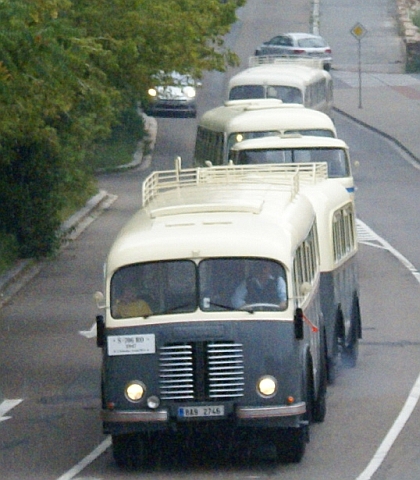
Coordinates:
<point>413,51</point>
<point>8,251</point>
<point>415,18</point>
<point>31,197</point>
<point>119,148</point>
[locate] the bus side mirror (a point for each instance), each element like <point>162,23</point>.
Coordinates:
<point>99,299</point>
<point>100,331</point>
<point>298,324</point>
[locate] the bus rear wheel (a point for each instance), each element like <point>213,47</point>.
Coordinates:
<point>350,351</point>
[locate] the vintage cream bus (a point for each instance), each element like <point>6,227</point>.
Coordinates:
<point>220,128</point>
<point>296,148</point>
<point>213,320</point>
<point>302,81</point>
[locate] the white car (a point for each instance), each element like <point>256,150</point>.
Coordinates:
<point>298,45</point>
<point>173,95</point>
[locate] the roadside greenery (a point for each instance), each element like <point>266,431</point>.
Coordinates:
<point>413,60</point>
<point>416,18</point>
<point>70,70</point>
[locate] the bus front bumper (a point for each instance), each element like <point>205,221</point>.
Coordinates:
<point>243,413</point>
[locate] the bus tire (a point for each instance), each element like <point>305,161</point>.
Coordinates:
<point>350,351</point>
<point>291,445</point>
<point>319,408</point>
<point>129,451</point>
<point>332,358</point>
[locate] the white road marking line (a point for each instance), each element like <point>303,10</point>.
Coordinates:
<point>99,450</point>
<point>89,333</point>
<point>7,405</point>
<point>393,433</point>
<point>414,394</point>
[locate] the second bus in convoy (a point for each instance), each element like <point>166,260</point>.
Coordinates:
<point>220,128</point>
<point>213,316</point>
<point>296,148</point>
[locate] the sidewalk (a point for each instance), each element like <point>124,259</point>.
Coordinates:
<point>390,104</point>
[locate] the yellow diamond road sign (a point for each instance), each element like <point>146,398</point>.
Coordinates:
<point>358,31</point>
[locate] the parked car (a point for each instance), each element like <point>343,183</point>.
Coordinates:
<point>174,94</point>
<point>298,44</point>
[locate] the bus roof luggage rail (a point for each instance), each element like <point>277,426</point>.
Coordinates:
<point>289,175</point>
<point>254,61</point>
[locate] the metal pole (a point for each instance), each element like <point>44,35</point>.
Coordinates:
<point>360,73</point>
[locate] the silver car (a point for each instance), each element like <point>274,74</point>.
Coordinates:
<point>173,95</point>
<point>298,45</point>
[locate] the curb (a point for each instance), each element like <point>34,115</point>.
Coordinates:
<point>25,270</point>
<point>379,132</point>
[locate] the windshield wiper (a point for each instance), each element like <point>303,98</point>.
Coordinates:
<point>220,305</point>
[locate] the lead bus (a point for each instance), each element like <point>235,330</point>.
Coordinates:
<point>237,120</point>
<point>191,343</point>
<point>292,80</point>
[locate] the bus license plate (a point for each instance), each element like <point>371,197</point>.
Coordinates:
<point>201,412</point>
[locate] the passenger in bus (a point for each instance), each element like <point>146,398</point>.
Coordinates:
<point>261,287</point>
<point>129,304</point>
<point>290,95</point>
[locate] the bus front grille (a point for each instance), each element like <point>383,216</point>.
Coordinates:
<point>201,371</point>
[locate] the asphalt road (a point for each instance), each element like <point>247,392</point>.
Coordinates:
<point>50,362</point>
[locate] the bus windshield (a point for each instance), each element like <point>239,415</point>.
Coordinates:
<point>182,286</point>
<point>241,136</point>
<point>238,137</point>
<point>284,93</point>
<point>336,158</point>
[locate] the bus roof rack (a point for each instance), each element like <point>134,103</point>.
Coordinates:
<point>286,175</point>
<point>285,60</point>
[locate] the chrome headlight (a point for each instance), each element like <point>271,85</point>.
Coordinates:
<point>152,92</point>
<point>267,386</point>
<point>189,92</point>
<point>134,391</point>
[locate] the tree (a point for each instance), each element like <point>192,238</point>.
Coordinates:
<point>146,37</point>
<point>67,71</point>
<point>54,103</point>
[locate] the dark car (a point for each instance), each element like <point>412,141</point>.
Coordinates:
<point>298,45</point>
<point>174,94</point>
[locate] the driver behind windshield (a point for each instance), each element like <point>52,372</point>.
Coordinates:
<point>261,287</point>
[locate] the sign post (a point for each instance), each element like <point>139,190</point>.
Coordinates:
<point>359,31</point>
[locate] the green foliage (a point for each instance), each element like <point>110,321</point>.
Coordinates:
<point>415,18</point>
<point>119,148</point>
<point>8,251</point>
<point>67,71</point>
<point>413,52</point>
